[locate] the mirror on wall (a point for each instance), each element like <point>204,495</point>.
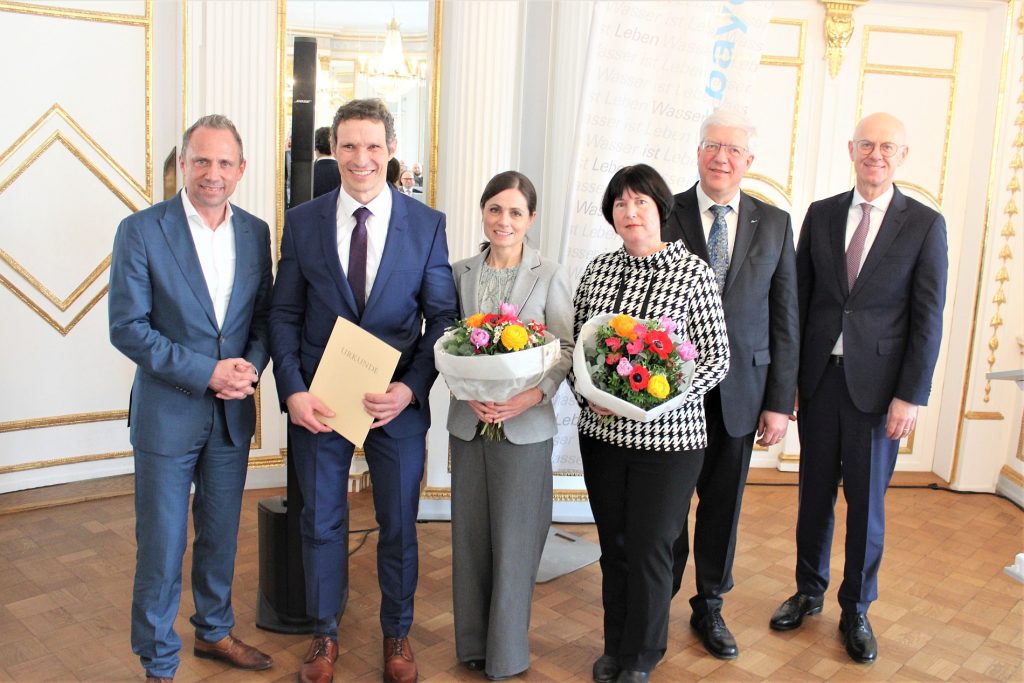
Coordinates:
<point>369,49</point>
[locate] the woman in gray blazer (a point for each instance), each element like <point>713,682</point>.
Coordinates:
<point>501,490</point>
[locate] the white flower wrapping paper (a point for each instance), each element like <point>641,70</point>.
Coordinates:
<point>586,388</point>
<point>499,377</point>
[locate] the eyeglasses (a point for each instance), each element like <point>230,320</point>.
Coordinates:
<point>734,151</point>
<point>866,147</point>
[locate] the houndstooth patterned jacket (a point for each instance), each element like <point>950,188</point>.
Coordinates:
<point>674,283</point>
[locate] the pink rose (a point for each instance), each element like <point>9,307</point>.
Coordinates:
<point>634,347</point>
<point>640,331</point>
<point>479,337</point>
<point>613,343</point>
<point>667,324</point>
<point>508,309</point>
<point>624,367</point>
<point>687,351</point>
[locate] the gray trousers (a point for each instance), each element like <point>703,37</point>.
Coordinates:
<point>501,512</point>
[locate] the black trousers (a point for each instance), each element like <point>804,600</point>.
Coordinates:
<point>639,499</point>
<point>720,490</point>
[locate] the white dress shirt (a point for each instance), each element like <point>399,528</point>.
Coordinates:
<point>216,249</point>
<point>878,208</point>
<point>707,217</point>
<point>376,231</point>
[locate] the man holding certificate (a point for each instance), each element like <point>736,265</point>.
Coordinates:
<point>379,259</point>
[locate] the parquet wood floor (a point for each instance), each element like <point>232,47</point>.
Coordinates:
<point>946,610</point>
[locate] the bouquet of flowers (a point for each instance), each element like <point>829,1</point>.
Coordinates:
<point>639,369</point>
<point>493,357</point>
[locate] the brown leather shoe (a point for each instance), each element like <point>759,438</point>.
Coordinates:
<point>399,662</point>
<point>318,666</point>
<point>234,652</point>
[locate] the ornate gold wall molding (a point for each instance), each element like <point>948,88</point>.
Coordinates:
<point>558,495</point>
<point>1004,74</point>
<point>983,415</point>
<point>59,112</point>
<point>144,21</point>
<point>838,30</point>
<point>1012,475</point>
<point>60,303</point>
<point>434,125</point>
<point>56,462</point>
<point>797,62</point>
<point>950,74</point>
<point>63,420</point>
<point>1009,230</point>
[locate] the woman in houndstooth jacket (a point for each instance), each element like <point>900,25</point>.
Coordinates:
<point>640,476</point>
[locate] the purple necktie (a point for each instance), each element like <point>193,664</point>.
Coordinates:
<point>357,258</point>
<point>856,248</point>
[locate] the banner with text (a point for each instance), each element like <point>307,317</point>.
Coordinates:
<point>654,71</point>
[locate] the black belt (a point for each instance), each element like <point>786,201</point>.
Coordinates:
<point>835,360</point>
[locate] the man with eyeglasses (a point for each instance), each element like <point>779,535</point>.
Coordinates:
<point>871,277</point>
<point>749,245</point>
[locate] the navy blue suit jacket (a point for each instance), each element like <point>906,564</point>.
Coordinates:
<point>161,317</point>
<point>760,306</point>
<point>891,321</point>
<point>412,301</point>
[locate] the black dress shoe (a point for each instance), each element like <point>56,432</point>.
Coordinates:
<point>858,637</point>
<point>475,664</point>
<point>626,676</point>
<point>715,635</point>
<point>606,669</point>
<point>792,612</point>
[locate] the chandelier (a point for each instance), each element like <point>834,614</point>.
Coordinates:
<point>390,75</point>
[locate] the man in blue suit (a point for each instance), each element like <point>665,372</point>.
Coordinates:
<point>190,291</point>
<point>378,258</point>
<point>871,280</point>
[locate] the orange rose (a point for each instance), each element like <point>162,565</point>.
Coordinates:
<point>623,326</point>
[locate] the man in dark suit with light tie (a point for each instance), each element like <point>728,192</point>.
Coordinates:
<point>749,245</point>
<point>380,259</point>
<point>189,296</point>
<point>871,273</point>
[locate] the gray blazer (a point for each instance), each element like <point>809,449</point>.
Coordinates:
<point>541,291</point>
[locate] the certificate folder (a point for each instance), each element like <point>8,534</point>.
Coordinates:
<point>354,363</point>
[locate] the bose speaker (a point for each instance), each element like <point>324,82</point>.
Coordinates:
<point>303,121</point>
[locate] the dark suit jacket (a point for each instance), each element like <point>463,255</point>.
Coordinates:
<point>326,176</point>
<point>760,305</point>
<point>413,285</point>
<point>892,320</point>
<point>161,316</point>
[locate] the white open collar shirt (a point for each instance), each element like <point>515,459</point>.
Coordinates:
<point>215,247</point>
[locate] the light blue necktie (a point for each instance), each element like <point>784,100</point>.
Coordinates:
<point>718,245</point>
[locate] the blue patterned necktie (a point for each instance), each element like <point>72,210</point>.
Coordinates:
<point>718,245</point>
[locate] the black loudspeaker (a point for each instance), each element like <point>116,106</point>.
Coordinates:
<point>281,603</point>
<point>303,121</point>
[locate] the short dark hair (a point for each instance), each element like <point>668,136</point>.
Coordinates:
<point>322,140</point>
<point>218,121</point>
<point>370,109</point>
<point>511,180</point>
<point>394,172</point>
<point>641,179</point>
